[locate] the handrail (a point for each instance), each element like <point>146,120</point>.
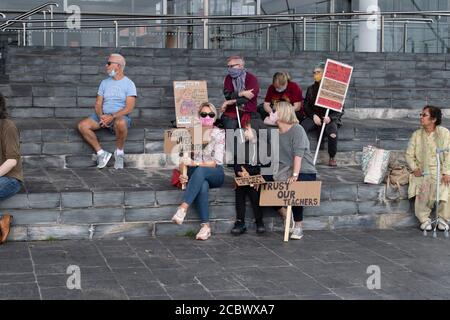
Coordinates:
<point>3,15</point>
<point>250,17</point>
<point>27,14</point>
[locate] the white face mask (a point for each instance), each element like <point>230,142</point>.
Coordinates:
<point>280,89</point>
<point>112,74</point>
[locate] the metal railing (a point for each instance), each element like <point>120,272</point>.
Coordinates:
<point>266,25</point>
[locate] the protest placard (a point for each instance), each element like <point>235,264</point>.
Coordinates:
<point>334,85</point>
<point>189,95</point>
<point>250,180</point>
<point>299,193</point>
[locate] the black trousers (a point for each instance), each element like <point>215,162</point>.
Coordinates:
<point>241,193</point>
<point>297,211</point>
<point>309,125</point>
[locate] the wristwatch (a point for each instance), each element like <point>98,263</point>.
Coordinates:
<point>295,174</point>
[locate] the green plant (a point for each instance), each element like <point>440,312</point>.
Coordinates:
<point>190,234</point>
<point>50,238</point>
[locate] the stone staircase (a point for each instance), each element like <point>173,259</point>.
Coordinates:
<point>65,197</point>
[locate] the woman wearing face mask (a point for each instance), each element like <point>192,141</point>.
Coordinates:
<point>295,159</point>
<point>205,171</point>
<point>282,89</point>
<point>315,116</point>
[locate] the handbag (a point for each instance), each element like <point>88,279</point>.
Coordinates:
<point>375,163</point>
<point>398,176</point>
<point>175,181</point>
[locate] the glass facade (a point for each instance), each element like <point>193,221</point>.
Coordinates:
<point>420,36</point>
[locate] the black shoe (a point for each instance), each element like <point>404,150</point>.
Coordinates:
<point>260,228</point>
<point>239,228</point>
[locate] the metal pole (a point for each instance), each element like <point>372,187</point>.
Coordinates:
<point>205,34</point>
<point>405,36</point>
<point>18,37</point>
<point>304,34</point>
<point>100,37</point>
<point>45,25</point>
<point>338,32</point>
<point>178,37</point>
<point>382,34</point>
<point>329,36</point>
<point>268,37</point>
<point>116,27</point>
<point>51,25</point>
<point>24,34</point>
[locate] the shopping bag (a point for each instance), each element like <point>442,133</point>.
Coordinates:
<point>375,163</point>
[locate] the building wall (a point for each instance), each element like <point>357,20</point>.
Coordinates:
<point>63,82</point>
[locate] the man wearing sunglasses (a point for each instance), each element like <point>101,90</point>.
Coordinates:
<point>116,99</point>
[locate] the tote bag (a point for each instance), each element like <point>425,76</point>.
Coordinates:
<point>375,163</point>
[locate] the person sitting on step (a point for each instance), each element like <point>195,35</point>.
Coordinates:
<point>205,170</point>
<point>315,116</point>
<point>421,158</point>
<point>11,173</point>
<point>116,99</point>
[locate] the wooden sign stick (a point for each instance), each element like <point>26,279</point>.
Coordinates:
<point>184,173</point>
<point>287,223</point>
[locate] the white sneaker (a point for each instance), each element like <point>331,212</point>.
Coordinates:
<point>118,164</point>
<point>442,225</point>
<point>426,225</point>
<point>297,234</point>
<point>178,217</point>
<point>204,233</point>
<point>103,158</point>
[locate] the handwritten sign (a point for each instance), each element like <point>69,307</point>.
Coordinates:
<point>184,140</point>
<point>334,85</point>
<point>189,95</point>
<point>250,180</point>
<point>300,193</point>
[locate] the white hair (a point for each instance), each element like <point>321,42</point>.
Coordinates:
<point>123,63</point>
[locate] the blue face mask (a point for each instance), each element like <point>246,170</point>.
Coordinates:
<point>234,72</point>
<point>112,74</point>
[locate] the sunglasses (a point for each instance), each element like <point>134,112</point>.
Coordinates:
<point>110,62</point>
<point>423,115</point>
<point>314,72</point>
<point>205,114</point>
<point>233,65</point>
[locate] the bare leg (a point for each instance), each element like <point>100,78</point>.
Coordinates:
<point>120,127</point>
<point>86,128</point>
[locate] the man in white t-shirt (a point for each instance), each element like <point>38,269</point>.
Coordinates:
<point>116,99</point>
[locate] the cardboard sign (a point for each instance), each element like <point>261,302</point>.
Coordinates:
<point>183,140</point>
<point>334,86</point>
<point>250,180</point>
<point>188,97</point>
<point>299,193</point>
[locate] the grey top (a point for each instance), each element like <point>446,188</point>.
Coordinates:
<point>292,143</point>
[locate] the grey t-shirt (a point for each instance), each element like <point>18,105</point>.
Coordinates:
<point>292,143</point>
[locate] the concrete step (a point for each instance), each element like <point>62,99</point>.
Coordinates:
<point>68,203</point>
<point>55,143</point>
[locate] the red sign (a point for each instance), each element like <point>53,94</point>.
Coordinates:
<point>334,86</point>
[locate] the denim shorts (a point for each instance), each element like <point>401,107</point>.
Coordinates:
<point>95,117</point>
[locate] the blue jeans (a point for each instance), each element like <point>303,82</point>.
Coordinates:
<point>95,117</point>
<point>200,180</point>
<point>297,211</point>
<point>9,187</point>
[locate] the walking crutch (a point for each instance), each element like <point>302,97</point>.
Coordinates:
<point>438,183</point>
